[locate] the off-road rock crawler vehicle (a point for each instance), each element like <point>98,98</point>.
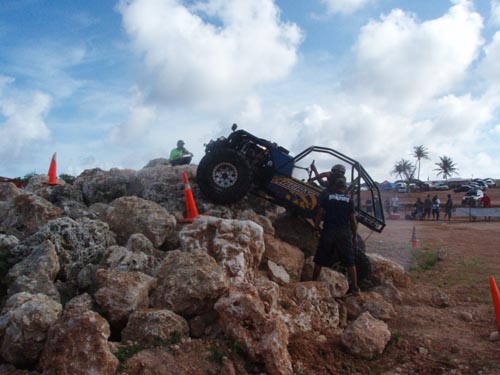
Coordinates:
<point>242,163</point>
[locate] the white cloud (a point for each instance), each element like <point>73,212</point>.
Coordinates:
<point>402,63</point>
<point>211,53</point>
<point>490,67</point>
<point>24,123</point>
<point>345,6</point>
<point>495,12</point>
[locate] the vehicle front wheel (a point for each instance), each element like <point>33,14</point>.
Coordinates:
<point>224,176</point>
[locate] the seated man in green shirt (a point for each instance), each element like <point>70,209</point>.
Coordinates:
<point>179,155</point>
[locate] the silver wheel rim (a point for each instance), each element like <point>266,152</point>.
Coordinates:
<point>225,175</point>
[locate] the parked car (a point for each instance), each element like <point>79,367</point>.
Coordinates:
<point>482,185</point>
<point>441,187</point>
<point>472,197</point>
<point>462,188</point>
<point>490,182</point>
<point>400,187</point>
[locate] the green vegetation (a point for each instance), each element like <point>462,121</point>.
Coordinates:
<point>425,259</point>
<point>69,179</point>
<point>126,352</point>
<point>215,355</point>
<point>175,338</point>
<point>285,305</point>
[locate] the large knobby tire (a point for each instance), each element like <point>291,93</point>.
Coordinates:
<point>224,176</point>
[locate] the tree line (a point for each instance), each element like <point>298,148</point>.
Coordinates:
<point>406,170</point>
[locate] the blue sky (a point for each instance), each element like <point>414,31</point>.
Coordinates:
<point>115,83</point>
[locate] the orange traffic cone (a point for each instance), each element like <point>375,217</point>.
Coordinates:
<point>191,210</point>
<point>496,300</point>
<point>52,171</point>
<point>414,241</point>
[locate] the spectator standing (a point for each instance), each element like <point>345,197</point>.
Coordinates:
<point>427,207</point>
<point>179,155</point>
<point>419,209</point>
<point>387,206</point>
<point>448,206</point>
<point>435,207</point>
<point>486,202</point>
<point>369,206</point>
<point>395,204</point>
<point>338,236</point>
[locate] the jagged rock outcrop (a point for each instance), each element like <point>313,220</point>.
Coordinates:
<point>163,184</point>
<point>366,337</point>
<point>150,327</point>
<point>309,307</point>
<point>189,283</point>
<point>372,302</point>
<point>262,220</point>
<point>263,335</point>
<point>236,245</point>
<point>27,213</point>
<point>77,243</point>
<point>130,215</point>
<point>36,273</point>
<point>385,270</point>
<point>77,343</point>
<point>42,261</point>
<point>337,283</point>
<point>288,256</point>
<point>97,185</point>
<point>121,293</point>
<point>69,198</point>
<point>8,191</point>
<point>24,323</point>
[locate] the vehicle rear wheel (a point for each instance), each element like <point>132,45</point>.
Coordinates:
<point>224,176</point>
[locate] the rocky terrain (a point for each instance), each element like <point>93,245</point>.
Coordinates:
<point>100,277</point>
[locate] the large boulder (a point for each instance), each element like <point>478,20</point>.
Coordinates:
<point>97,185</point>
<point>27,213</point>
<point>288,256</point>
<point>42,262</point>
<point>372,302</point>
<point>236,245</point>
<point>77,343</point>
<point>34,284</point>
<point>121,293</point>
<point>336,281</point>
<point>386,271</point>
<point>120,258</point>
<point>69,198</point>
<point>24,323</point>
<point>77,243</point>
<point>163,184</point>
<point>262,220</point>
<point>151,327</point>
<point>309,307</point>
<point>129,215</point>
<point>8,191</point>
<point>263,335</point>
<point>297,232</point>
<point>366,337</point>
<point>189,283</point>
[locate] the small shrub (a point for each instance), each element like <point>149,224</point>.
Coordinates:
<point>425,260</point>
<point>285,305</point>
<point>126,352</point>
<point>215,355</point>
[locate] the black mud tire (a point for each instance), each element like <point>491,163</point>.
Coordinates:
<point>224,176</point>
<point>362,262</point>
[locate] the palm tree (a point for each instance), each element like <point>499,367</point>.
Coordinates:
<point>420,152</point>
<point>446,167</point>
<point>405,170</point>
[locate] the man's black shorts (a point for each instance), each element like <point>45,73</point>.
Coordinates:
<point>335,244</point>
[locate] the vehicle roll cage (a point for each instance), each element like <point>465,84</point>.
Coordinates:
<point>358,174</point>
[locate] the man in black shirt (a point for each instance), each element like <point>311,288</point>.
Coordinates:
<point>338,237</point>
